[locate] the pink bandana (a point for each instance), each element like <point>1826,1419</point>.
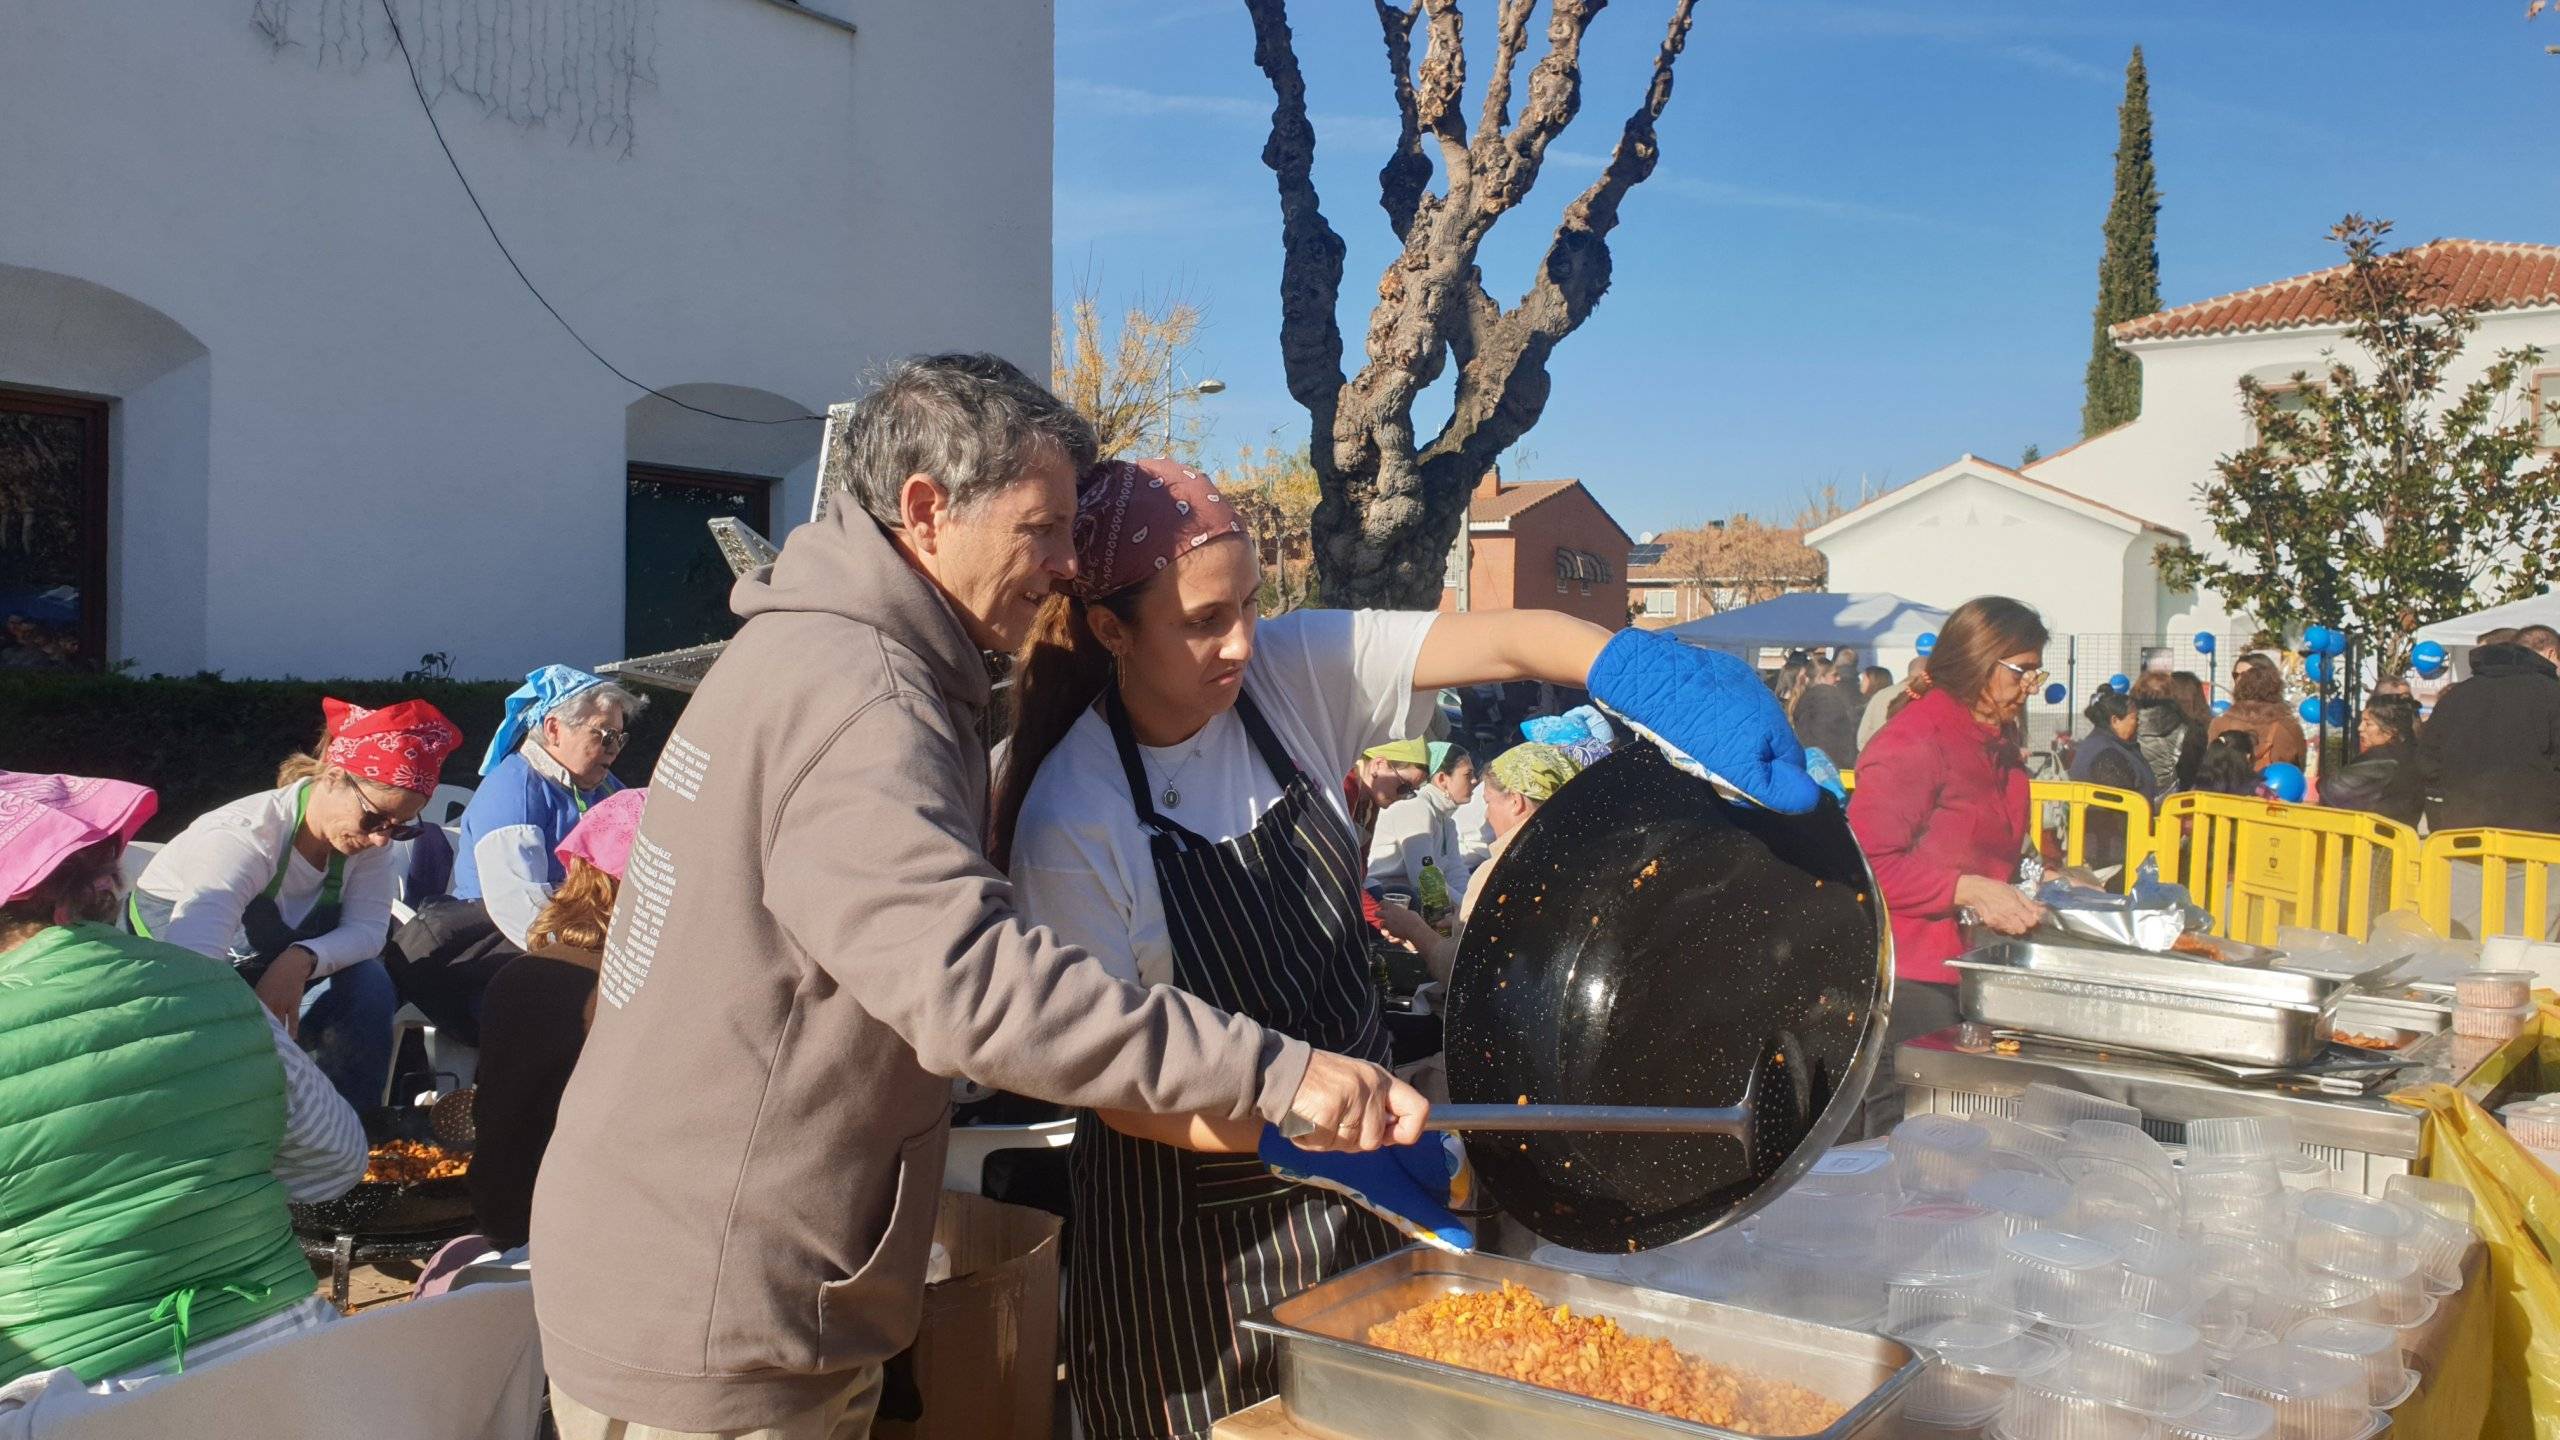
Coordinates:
<point>44,819</point>
<point>602,837</point>
<point>1133,518</point>
<point>401,745</point>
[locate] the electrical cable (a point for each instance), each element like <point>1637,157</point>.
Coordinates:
<point>485,223</point>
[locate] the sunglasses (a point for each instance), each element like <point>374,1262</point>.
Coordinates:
<point>374,822</point>
<point>609,739</point>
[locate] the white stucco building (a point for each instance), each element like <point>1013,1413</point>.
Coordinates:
<point>2074,533</point>
<point>278,403</point>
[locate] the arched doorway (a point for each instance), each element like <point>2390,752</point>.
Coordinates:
<point>104,412</point>
<point>685,469</point>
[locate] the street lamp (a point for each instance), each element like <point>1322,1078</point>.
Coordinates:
<point>1172,394</point>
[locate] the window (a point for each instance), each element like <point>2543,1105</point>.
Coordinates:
<point>1564,571</point>
<point>2546,409</point>
<point>53,532</point>
<point>1661,600</point>
<point>675,584</point>
<point>1453,572</point>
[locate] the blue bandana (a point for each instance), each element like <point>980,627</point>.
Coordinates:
<point>541,690</point>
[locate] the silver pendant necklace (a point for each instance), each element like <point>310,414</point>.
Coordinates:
<point>1172,796</point>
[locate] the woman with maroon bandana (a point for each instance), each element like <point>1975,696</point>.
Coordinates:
<point>1172,803</point>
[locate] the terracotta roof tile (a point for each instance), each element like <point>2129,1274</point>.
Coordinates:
<point>2495,276</point>
<point>1487,510</point>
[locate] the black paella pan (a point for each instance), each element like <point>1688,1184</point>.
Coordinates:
<point>1646,941</point>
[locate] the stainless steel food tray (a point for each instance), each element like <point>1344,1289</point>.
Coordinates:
<point>1337,1384</point>
<point>2246,1015</point>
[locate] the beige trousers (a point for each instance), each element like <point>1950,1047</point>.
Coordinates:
<point>843,1417</point>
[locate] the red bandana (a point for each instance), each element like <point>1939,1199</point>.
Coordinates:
<point>401,745</point>
<point>1133,518</point>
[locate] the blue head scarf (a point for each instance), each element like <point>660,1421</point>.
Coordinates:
<point>541,690</point>
<point>1595,722</point>
<point>1559,730</point>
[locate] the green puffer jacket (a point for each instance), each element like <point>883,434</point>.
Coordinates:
<point>141,1104</point>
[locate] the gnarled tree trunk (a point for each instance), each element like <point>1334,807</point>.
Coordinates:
<point>1393,499</point>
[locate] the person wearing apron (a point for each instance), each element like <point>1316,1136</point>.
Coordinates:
<point>293,886</point>
<point>1159,808</point>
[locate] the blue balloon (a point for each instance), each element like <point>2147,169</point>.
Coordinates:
<point>2309,710</point>
<point>2055,693</point>
<point>2334,641</point>
<point>2204,642</point>
<point>2336,714</point>
<point>2119,684</point>
<point>2315,640</point>
<point>1927,643</point>
<point>2221,707</point>
<point>2320,666</point>
<point>2285,780</point>
<point>2429,657</point>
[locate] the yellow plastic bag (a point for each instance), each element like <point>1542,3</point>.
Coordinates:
<point>2516,1395</point>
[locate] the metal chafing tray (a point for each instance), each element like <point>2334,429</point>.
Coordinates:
<point>1335,1383</point>
<point>2244,1014</point>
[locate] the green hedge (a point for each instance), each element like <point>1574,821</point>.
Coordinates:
<point>206,741</point>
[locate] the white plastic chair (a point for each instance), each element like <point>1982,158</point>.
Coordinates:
<point>964,1165</point>
<point>446,805</point>
<point>138,855</point>
<point>457,1366</point>
<point>446,1057</point>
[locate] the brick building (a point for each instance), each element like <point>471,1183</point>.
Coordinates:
<point>1542,545</point>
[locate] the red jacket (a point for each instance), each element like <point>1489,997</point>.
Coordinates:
<point>1940,795</point>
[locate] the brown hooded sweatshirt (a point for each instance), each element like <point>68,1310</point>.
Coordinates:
<point>734,1213</point>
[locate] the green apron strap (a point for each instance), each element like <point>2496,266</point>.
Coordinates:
<point>332,884</point>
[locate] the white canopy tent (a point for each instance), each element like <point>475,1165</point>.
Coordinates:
<point>2457,634</point>
<point>1885,628</point>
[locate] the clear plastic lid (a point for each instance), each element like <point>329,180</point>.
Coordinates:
<point>2315,1396</point>
<point>1924,1305</point>
<point>2494,989</point>
<point>2049,1407</point>
<point>2143,1362</point>
<point>2228,1138</point>
<point>2124,1144</point>
<point>2061,1279</point>
<point>2224,1417</point>
<point>1938,1156</point>
<point>2022,1199</point>
<point>2052,1108</point>
<point>2348,1234</point>
<point>2374,1349</point>
<point>1941,1238</point>
<point>2438,1242</point>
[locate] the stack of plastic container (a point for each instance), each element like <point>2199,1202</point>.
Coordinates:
<point>2072,1279</point>
<point>2535,1125</point>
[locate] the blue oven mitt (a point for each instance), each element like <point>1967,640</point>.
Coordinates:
<point>1710,713</point>
<point>1409,1186</point>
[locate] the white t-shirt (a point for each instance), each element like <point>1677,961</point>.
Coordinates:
<point>1422,824</point>
<point>194,890</point>
<point>1331,684</point>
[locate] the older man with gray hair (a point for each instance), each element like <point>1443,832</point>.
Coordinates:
<point>734,1213</point>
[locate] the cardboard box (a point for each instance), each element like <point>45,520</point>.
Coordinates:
<point>986,1358</point>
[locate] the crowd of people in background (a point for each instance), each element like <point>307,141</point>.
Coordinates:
<point>1162,906</point>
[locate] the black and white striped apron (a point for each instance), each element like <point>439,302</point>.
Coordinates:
<point>1172,1247</point>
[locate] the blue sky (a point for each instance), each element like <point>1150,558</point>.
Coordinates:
<point>1873,239</point>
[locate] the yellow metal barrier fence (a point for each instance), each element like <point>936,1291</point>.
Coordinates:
<point>2442,869</point>
<point>2072,826</point>
<point>2259,864</point>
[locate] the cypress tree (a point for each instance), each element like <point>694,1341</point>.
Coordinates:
<point>2129,270</point>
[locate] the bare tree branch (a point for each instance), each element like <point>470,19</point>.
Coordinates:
<point>1311,267</point>
<point>1512,30</point>
<point>1407,173</point>
<point>1503,388</point>
<point>1389,504</point>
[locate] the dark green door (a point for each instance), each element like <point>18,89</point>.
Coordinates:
<point>675,585</point>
